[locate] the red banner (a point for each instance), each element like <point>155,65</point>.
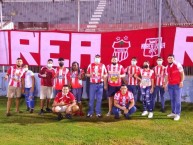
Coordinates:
<point>37,47</point>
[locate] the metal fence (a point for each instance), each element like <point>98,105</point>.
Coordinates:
<point>98,15</point>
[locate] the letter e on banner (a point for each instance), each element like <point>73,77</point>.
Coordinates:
<point>47,49</point>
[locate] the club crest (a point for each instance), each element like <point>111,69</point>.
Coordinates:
<point>150,47</point>
<point>121,47</point>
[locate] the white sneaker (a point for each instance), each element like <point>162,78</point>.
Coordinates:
<point>172,115</point>
<point>177,117</point>
<point>150,115</point>
<point>144,113</point>
<point>120,113</point>
<point>108,114</point>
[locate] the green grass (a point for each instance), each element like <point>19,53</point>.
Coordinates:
<point>32,129</point>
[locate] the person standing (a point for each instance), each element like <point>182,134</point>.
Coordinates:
<point>47,75</point>
<point>131,81</point>
<point>115,74</point>
<point>175,78</point>
<point>15,85</point>
<point>97,72</point>
<point>60,77</point>
<point>124,101</point>
<point>29,82</point>
<point>147,85</point>
<point>75,76</point>
<point>159,89</point>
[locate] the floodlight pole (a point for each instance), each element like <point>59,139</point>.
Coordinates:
<point>78,15</point>
<point>159,28</point>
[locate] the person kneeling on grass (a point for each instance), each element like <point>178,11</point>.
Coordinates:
<point>124,101</point>
<point>64,102</point>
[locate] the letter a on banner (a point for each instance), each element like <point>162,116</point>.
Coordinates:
<point>82,44</point>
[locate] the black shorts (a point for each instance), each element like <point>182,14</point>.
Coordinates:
<point>112,90</point>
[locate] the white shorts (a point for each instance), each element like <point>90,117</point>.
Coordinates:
<point>46,92</point>
<point>60,108</point>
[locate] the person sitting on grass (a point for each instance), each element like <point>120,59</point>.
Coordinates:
<point>124,101</point>
<point>64,102</point>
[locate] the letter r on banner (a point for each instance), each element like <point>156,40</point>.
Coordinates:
<point>181,45</point>
<point>24,43</point>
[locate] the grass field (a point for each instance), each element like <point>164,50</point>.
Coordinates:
<point>32,129</point>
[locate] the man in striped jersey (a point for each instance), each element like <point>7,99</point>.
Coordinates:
<point>130,80</point>
<point>97,72</point>
<point>159,90</point>
<point>15,85</point>
<point>115,73</point>
<point>60,77</point>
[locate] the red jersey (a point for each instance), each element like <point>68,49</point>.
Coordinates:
<point>49,79</point>
<point>15,76</point>
<point>97,72</point>
<point>131,71</point>
<point>74,80</point>
<point>67,99</point>
<point>113,72</point>
<point>160,73</point>
<point>174,73</point>
<point>123,99</point>
<point>146,77</point>
<point>61,78</point>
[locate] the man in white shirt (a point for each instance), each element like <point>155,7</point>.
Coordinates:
<point>29,82</point>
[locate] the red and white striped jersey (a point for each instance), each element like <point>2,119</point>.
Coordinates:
<point>131,71</point>
<point>160,73</point>
<point>74,80</point>
<point>97,72</point>
<point>61,78</point>
<point>146,77</point>
<point>113,74</point>
<point>123,99</point>
<point>15,76</point>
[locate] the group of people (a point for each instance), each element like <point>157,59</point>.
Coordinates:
<point>121,84</point>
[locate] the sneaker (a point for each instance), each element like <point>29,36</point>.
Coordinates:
<point>8,114</point>
<point>109,114</point>
<point>60,117</point>
<point>99,116</point>
<point>150,115</point>
<point>48,110</point>
<point>117,117</point>
<point>172,115</point>
<point>89,115</point>
<point>177,117</point>
<point>27,109</point>
<point>120,113</point>
<point>41,112</point>
<point>18,111</point>
<point>31,111</point>
<point>144,113</point>
<point>68,116</point>
<point>162,110</point>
